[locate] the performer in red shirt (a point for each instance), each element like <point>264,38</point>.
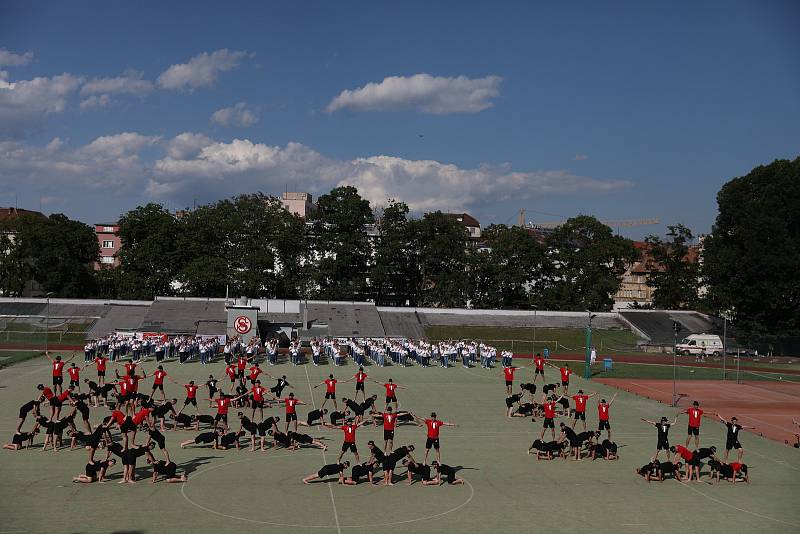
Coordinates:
<point>695,418</point>
<point>291,413</point>
<point>603,415</point>
<point>241,363</point>
<point>258,391</point>
<point>391,392</point>
<point>682,452</point>
<point>100,363</point>
<point>230,370</point>
<point>330,391</point>
<point>432,439</point>
<point>538,363</point>
<point>565,372</point>
<point>508,373</point>
<point>58,371</point>
<point>255,370</point>
<point>549,407</point>
<point>223,403</point>
<point>360,377</point>
<point>389,424</point>
<point>74,376</point>
<point>158,382</point>
<point>191,396</point>
<point>580,407</point>
<point>349,443</point>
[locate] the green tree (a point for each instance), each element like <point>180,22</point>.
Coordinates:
<point>751,259</point>
<point>673,270</point>
<point>149,257</point>
<point>341,248</point>
<point>585,264</point>
<point>55,252</point>
<point>394,277</point>
<point>440,246</point>
<point>505,272</point>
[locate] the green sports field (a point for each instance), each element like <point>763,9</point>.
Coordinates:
<point>507,490</point>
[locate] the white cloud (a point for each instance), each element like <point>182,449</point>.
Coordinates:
<point>131,82</point>
<point>126,144</point>
<point>25,103</point>
<point>8,58</point>
<point>580,157</point>
<point>187,145</point>
<point>95,101</point>
<point>239,115</point>
<point>219,169</point>
<point>430,94</point>
<point>200,71</point>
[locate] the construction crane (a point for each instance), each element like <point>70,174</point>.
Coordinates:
<point>617,224</point>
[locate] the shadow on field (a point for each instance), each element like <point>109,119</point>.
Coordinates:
<point>190,466</point>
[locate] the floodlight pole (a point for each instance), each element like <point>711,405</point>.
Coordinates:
<point>724,344</point>
<point>587,373</point>
<point>675,328</point>
<point>47,324</point>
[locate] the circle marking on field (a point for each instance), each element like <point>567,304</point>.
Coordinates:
<point>301,525</point>
<point>242,324</point>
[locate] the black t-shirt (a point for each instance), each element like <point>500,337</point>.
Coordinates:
<point>420,469</point>
<point>336,417</point>
<point>733,431</point>
<point>20,438</point>
<point>212,384</point>
<point>183,419</point>
<point>162,410</point>
<point>360,470</point>
<point>229,439</point>
<point>378,454</point>
<point>206,419</point>
<point>663,431</point>
<point>445,470</point>
<point>331,469</point>
<point>397,454</point>
<point>569,433</point>
<point>314,414</point>
<point>667,467</point>
<point>248,425</point>
<point>164,468</point>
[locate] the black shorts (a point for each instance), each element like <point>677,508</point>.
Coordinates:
<point>291,417</point>
<point>221,417</point>
<point>359,386</point>
<point>192,401</point>
<point>580,415</point>
<point>732,444</point>
<point>203,439</point>
<point>84,411</point>
<point>158,386</point>
<point>160,440</point>
<point>391,399</point>
<point>58,380</point>
<point>55,403</point>
<point>565,382</point>
<point>388,434</point>
<point>663,445</point>
<point>548,423</point>
<point>128,425</point>
<point>604,425</point>
<point>101,373</point>
<point>75,383</point>
<point>509,382</point>
<point>509,403</point>
<point>258,403</point>
<point>212,392</point>
<point>349,445</point>
<point>432,442</point>
<point>240,373</point>
<point>330,395</point>
<point>539,372</point>
<point>693,430</point>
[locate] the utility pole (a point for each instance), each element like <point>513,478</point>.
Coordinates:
<point>676,327</point>
<point>587,373</point>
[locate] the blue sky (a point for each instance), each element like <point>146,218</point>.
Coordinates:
<point>626,111</point>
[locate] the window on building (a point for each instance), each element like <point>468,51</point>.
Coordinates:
<point>108,244</point>
<point>108,228</point>
<point>107,259</point>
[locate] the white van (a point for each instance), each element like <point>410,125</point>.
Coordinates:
<point>700,344</point>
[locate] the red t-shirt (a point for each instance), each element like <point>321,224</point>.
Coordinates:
<point>231,371</point>
<point>58,368</point>
<point>602,411</point>
<point>549,410</point>
<point>565,374</point>
<point>48,393</point>
<point>433,428</point>
<point>159,377</point>
<point>124,387</point>
<point>390,389</point>
<point>222,405</point>
<point>389,420</point>
<point>685,453</point>
<point>580,402</point>
<point>118,416</point>
<point>695,416</point>
<point>509,372</point>
<point>64,396</point>
<point>349,433</point>
<point>130,367</point>
<point>330,385</point>
<point>191,390</point>
<point>360,377</point>
<point>141,415</point>
<point>539,363</point>
<point>100,362</point>
<point>254,372</point>
<point>133,382</point>
<point>258,393</point>
<point>241,363</point>
<point>290,404</point>
<point>736,466</point>
<point>74,373</point>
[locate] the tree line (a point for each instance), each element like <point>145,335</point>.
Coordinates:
<point>250,245</point>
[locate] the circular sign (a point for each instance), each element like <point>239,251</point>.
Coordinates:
<point>242,324</point>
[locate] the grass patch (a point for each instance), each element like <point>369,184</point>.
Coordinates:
<point>521,340</point>
<point>664,372</point>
